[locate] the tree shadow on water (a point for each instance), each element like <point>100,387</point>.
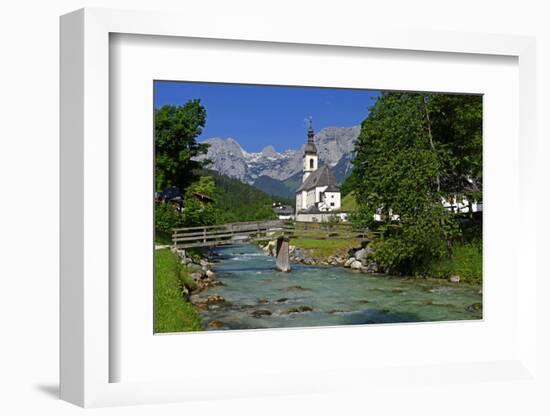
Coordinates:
<point>380,316</point>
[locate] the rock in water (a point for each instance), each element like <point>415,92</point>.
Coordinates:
<point>349,262</point>
<point>356,265</point>
<point>454,279</point>
<point>261,312</point>
<point>475,307</point>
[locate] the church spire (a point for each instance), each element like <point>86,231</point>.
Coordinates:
<point>311,160</point>
<point>310,146</point>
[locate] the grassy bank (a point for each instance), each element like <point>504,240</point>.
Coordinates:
<point>349,203</point>
<point>325,248</point>
<point>172,312</point>
<point>466,262</point>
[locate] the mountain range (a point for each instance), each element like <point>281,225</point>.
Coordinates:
<point>281,173</point>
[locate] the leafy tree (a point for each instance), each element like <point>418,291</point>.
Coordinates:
<point>176,130</point>
<point>348,185</point>
<point>166,218</point>
<point>415,150</point>
<point>197,212</point>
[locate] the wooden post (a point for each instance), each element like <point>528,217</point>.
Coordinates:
<point>204,235</point>
<point>282,261</point>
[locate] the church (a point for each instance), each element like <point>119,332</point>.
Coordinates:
<point>318,196</point>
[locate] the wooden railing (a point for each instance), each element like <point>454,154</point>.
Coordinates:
<point>233,233</point>
<point>243,232</point>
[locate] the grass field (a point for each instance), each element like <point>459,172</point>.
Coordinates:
<point>325,248</point>
<point>172,312</point>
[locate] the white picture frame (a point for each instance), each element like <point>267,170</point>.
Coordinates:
<point>86,355</point>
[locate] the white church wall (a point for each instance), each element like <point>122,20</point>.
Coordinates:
<point>298,201</point>
<point>310,198</point>
<point>318,191</point>
<point>333,200</point>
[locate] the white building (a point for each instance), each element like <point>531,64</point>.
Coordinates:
<point>318,197</point>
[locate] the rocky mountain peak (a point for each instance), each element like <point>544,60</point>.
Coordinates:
<point>334,145</point>
<point>269,151</point>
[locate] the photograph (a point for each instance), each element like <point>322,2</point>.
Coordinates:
<point>295,207</point>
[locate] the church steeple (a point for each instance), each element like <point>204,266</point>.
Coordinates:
<point>310,146</point>
<point>310,153</point>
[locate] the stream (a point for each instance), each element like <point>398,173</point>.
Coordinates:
<point>259,297</point>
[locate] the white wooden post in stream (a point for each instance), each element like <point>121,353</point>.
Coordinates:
<point>282,261</point>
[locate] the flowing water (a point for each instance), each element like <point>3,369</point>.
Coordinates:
<point>259,297</point>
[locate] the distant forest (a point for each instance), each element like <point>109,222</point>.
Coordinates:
<point>236,201</point>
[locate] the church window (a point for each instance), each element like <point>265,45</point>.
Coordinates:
<point>332,204</point>
<point>311,163</point>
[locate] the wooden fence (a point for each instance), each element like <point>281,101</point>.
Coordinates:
<point>326,231</point>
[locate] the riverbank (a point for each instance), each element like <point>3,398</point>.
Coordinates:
<point>345,253</point>
<point>173,311</point>
<point>464,266</point>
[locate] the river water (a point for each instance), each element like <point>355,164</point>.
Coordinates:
<point>259,297</point>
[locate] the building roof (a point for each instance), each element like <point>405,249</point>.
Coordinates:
<point>332,188</point>
<point>321,177</point>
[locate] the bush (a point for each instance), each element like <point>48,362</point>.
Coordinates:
<point>466,262</point>
<point>166,218</point>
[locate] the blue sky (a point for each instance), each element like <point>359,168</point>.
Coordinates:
<point>257,115</point>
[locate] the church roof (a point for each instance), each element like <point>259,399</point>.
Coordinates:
<point>332,188</point>
<point>321,177</point>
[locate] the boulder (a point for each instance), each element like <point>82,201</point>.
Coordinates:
<point>298,309</point>
<point>196,276</point>
<point>216,324</point>
<point>475,307</point>
<point>349,262</point>
<point>361,254</point>
<point>454,279</point>
<point>260,312</point>
<point>193,267</point>
<point>210,274</point>
<point>356,265</point>
<point>214,300</point>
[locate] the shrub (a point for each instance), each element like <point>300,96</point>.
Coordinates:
<point>166,218</point>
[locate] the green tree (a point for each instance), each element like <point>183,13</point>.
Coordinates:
<point>197,211</point>
<point>176,130</point>
<point>415,150</point>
